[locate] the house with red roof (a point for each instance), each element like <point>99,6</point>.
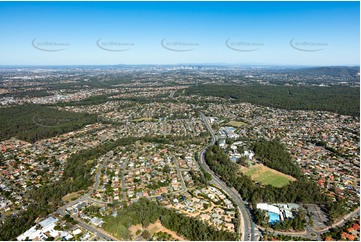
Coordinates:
<point>356,227</point>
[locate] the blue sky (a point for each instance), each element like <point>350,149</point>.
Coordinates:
<point>277,33</point>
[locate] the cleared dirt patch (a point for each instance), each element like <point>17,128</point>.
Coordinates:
<point>266,175</point>
<point>154,228</point>
<point>158,227</point>
<point>70,196</point>
<point>133,229</point>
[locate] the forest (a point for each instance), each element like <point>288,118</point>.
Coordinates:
<point>35,122</point>
<point>146,212</point>
<point>337,99</point>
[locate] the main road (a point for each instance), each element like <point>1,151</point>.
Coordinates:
<point>247,223</point>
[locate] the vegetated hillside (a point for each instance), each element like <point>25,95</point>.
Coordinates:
<point>335,71</point>
<point>342,100</point>
<point>35,122</point>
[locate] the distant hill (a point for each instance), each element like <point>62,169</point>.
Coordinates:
<point>336,71</point>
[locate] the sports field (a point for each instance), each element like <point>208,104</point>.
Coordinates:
<point>236,124</point>
<point>266,175</point>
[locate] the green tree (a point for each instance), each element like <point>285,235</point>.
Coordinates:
<point>146,235</point>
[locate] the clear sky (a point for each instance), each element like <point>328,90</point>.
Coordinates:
<point>87,33</point>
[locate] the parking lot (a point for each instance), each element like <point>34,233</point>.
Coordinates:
<point>318,217</point>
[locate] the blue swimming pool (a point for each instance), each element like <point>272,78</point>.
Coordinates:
<point>273,217</point>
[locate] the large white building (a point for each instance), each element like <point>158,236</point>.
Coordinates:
<point>270,208</point>
<point>47,225</point>
<point>248,154</point>
<point>284,210</point>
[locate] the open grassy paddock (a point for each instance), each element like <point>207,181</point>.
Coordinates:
<point>236,124</point>
<point>266,175</point>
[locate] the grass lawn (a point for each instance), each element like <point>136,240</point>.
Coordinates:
<point>236,124</point>
<point>251,170</point>
<point>267,176</point>
<point>270,178</point>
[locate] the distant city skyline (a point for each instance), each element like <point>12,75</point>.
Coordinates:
<point>176,33</point>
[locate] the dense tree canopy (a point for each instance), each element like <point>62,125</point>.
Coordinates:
<point>35,122</point>
<point>343,100</point>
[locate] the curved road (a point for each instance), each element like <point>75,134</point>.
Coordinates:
<point>248,226</point>
<point>97,231</point>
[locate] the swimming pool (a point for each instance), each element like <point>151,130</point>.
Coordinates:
<point>273,217</point>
